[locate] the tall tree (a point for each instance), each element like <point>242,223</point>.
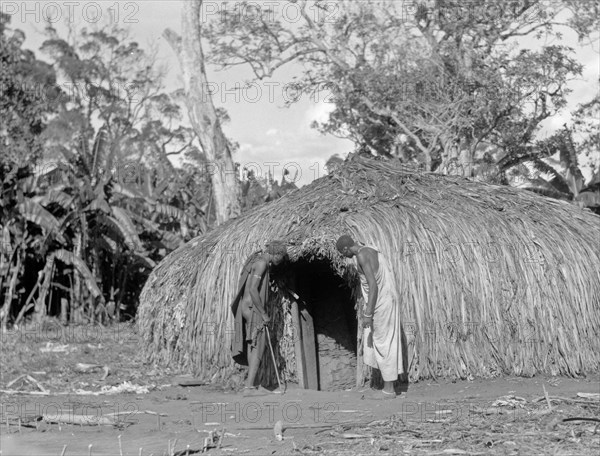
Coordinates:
<point>447,76</point>
<point>202,113</point>
<point>24,112</point>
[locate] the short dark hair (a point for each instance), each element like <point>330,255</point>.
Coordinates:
<point>344,241</point>
<point>277,248</point>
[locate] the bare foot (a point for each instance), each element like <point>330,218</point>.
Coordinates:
<point>251,391</point>
<point>378,395</point>
<point>266,391</point>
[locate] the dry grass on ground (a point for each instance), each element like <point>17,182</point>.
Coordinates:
<point>431,419</point>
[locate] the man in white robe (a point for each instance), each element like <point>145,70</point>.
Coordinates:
<point>381,315</point>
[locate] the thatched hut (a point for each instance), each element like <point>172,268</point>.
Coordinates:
<point>490,279</point>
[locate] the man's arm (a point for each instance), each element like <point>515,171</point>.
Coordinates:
<point>367,266</point>
<point>256,273</point>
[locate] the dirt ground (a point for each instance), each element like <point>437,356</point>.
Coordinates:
<point>490,416</point>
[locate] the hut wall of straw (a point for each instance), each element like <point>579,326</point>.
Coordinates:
<point>490,279</point>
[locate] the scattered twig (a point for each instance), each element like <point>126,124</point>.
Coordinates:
<point>221,438</point>
<point>29,393</point>
<point>11,383</point>
<point>30,380</point>
<point>595,396</point>
<point>187,452</point>
<point>82,420</point>
<point>136,412</point>
<point>106,370</point>
<point>594,420</point>
<point>546,396</point>
<point>349,435</point>
<point>566,399</point>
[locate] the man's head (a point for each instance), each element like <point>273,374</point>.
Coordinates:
<point>278,252</point>
<point>344,244</point>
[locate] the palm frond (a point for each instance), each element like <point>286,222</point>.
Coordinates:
<point>171,211</point>
<point>71,259</point>
<point>119,232</point>
<point>35,213</point>
<point>57,196</point>
<point>127,227</point>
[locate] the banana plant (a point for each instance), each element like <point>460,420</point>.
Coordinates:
<point>20,215</point>
<point>560,177</point>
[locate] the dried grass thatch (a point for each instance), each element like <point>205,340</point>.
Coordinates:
<point>490,279</point>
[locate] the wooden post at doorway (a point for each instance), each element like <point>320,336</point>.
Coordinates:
<point>305,347</point>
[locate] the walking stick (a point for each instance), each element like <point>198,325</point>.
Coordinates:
<point>273,357</point>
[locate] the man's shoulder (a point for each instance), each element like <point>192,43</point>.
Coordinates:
<point>259,262</point>
<point>367,252</point>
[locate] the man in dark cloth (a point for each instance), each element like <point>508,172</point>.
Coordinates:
<point>249,342</point>
<point>382,340</point>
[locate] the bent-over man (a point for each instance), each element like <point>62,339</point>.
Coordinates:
<point>382,342</point>
<point>249,343</point>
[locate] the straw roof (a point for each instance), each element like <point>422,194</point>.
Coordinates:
<point>490,278</point>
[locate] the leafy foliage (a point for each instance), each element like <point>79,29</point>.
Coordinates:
<point>428,82</point>
<point>103,198</point>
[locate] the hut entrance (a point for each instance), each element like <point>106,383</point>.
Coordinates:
<point>330,316</point>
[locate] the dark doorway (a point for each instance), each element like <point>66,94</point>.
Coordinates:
<point>329,302</point>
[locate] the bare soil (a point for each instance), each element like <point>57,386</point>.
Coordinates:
<point>429,418</point>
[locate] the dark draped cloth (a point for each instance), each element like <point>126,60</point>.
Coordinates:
<point>247,332</point>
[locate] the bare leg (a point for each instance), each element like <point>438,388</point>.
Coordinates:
<point>254,358</point>
<point>388,387</point>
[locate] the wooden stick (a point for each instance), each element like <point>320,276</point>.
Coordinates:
<point>137,412</point>
<point>273,358</point>
<point>120,447</point>
<point>355,436</point>
<point>301,426</point>
<point>546,396</point>
<point>566,399</point>
<point>595,420</point>
<point>9,384</point>
<point>36,383</point>
<point>221,438</point>
<point>63,451</point>
<point>31,393</point>
<point>83,420</point>
<point>298,347</point>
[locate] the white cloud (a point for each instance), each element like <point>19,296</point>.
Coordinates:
<point>319,112</point>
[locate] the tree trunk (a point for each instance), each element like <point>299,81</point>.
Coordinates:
<point>6,309</point>
<point>203,114</point>
<point>40,304</point>
<point>76,302</point>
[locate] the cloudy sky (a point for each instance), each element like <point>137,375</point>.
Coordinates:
<point>269,135</point>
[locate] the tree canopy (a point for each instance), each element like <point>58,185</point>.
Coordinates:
<point>431,81</point>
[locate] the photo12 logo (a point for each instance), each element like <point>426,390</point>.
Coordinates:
<point>54,12</point>
<point>269,12</point>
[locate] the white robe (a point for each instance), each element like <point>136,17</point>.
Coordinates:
<point>386,353</point>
